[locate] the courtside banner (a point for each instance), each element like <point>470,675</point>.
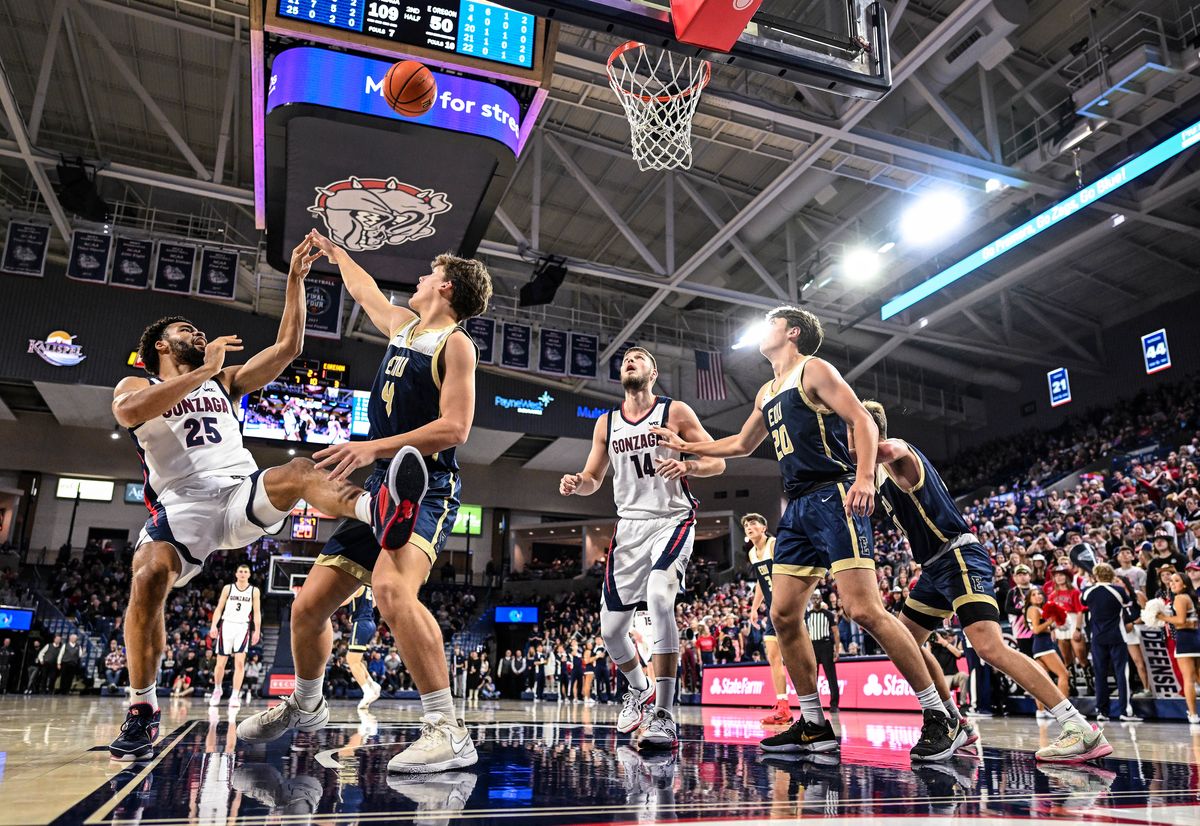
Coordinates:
<point>864,683</point>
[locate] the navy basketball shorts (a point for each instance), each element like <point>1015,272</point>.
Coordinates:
<point>960,582</point>
<point>816,536</point>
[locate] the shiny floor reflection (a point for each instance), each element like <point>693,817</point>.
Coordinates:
<point>567,764</point>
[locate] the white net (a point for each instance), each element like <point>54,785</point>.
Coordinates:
<point>659,91</point>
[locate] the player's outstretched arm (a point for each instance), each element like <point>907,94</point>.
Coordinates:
<point>385,315</point>
<point>256,616</point>
<point>684,420</point>
<point>137,400</point>
<point>588,481</point>
<point>457,400</point>
<point>731,447</point>
<point>830,388</point>
<point>220,609</point>
<point>263,368</point>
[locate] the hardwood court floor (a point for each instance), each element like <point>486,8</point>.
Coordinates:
<point>551,764</point>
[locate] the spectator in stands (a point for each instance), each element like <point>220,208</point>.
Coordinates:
<point>1165,553</point>
<point>34,669</point>
<point>253,675</point>
<point>1045,651</point>
<point>70,664</point>
<point>706,644</point>
<point>1184,616</point>
<point>114,666</point>
<point>1062,592</point>
<point>1014,606</point>
<point>1131,573</point>
<point>1109,605</point>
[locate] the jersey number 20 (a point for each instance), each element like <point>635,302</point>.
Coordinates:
<point>194,436</point>
<point>783,442</point>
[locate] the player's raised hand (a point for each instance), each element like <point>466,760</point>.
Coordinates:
<point>860,499</point>
<point>215,350</point>
<point>345,458</point>
<point>671,469</point>
<point>325,245</point>
<point>569,483</point>
<point>668,439</point>
<point>303,256</point>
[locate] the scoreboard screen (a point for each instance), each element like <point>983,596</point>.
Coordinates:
<point>472,28</point>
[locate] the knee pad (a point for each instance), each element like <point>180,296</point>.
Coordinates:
<point>661,590</point>
<point>614,630</point>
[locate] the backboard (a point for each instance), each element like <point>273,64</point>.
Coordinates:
<point>839,46</point>
<point>287,574</point>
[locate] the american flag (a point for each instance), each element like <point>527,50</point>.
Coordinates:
<point>710,378</point>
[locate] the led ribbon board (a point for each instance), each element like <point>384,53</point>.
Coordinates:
<point>1110,183</point>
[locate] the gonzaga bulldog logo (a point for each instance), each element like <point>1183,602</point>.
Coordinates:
<point>367,213</point>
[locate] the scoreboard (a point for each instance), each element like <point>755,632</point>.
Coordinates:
<point>495,40</point>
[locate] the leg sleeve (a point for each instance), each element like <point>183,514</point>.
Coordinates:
<point>660,597</point>
<point>614,629</point>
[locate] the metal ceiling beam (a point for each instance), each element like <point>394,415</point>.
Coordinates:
<point>157,16</point>
<point>131,79</point>
<point>43,81</point>
<point>1045,323</point>
<point>605,206</point>
<point>950,118</point>
<point>88,110</point>
<point>981,325</point>
<point>16,126</point>
<point>511,226</point>
<point>231,84</point>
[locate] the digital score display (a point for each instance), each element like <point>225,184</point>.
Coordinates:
<point>472,28</point>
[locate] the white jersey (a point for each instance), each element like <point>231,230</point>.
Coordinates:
<point>198,438</point>
<point>239,606</point>
<point>639,492</point>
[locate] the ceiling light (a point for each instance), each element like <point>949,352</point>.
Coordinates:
<point>923,323</point>
<point>115,435</point>
<point>887,247</point>
<point>1118,219</point>
<point>993,185</point>
<point>291,451</point>
<point>860,265</point>
<point>934,216</point>
<point>752,335</point>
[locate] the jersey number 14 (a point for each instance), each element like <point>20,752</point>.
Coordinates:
<point>643,465</point>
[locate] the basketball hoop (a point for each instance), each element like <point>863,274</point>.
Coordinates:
<point>659,95</point>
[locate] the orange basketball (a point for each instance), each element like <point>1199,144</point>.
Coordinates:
<point>409,88</point>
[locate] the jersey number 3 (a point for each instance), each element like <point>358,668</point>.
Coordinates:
<point>196,438</point>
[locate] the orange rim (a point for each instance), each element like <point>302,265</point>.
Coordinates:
<point>629,46</point>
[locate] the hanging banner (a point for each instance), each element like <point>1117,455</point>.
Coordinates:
<point>25,249</point>
<point>483,332</point>
<point>324,295</point>
<point>218,273</point>
<point>174,267</point>
<point>552,352</point>
<point>614,361</point>
<point>584,350</point>
<point>131,263</point>
<point>1155,352</point>
<point>515,352</point>
<point>89,256</point>
<point>1060,386</point>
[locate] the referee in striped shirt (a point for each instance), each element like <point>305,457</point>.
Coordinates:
<point>822,628</point>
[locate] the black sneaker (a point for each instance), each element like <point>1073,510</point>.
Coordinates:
<point>938,735</point>
<point>395,505</point>
<point>803,736</point>
<point>138,733</point>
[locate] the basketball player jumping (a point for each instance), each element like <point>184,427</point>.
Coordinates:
<point>956,578</point>
<point>762,559</point>
<point>203,488</point>
<point>237,609</point>
<point>653,540</point>
<point>422,405</point>
<point>807,410</point>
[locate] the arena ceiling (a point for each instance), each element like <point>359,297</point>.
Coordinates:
<point>785,180</point>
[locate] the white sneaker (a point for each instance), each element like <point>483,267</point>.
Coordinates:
<point>274,722</point>
<point>589,702</point>
<point>634,708</point>
<point>438,798</point>
<point>214,699</point>
<point>444,744</point>
<point>1044,714</point>
<point>661,732</point>
<point>1194,719</point>
<point>1076,743</point>
<point>235,701</point>
<point>370,694</point>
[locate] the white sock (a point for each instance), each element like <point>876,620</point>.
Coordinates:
<point>664,693</point>
<point>307,693</point>
<point>952,709</point>
<point>149,694</point>
<point>362,508</point>
<point>810,708</point>
<point>439,702</point>
<point>779,697</point>
<point>637,679</point>
<point>929,700</point>
<point>1064,713</point>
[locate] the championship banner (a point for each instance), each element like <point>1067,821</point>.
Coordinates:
<point>614,361</point>
<point>218,273</point>
<point>1159,665</point>
<point>584,352</point>
<point>515,350</point>
<point>324,296</point>
<point>552,352</point>
<point>25,249</point>
<point>483,332</point>
<point>174,267</point>
<point>88,259</point>
<point>131,263</point>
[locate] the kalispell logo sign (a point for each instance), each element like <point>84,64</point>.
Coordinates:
<point>58,349</point>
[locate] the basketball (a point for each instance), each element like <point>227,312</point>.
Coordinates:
<point>409,88</point>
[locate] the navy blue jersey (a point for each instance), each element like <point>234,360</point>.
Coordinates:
<point>926,514</point>
<point>408,388</point>
<point>762,567</point>
<point>362,605</point>
<point>810,440</point>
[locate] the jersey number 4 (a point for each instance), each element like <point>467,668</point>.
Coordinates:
<point>643,465</point>
<point>194,427</point>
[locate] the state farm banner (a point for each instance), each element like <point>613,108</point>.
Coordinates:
<point>864,683</point>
